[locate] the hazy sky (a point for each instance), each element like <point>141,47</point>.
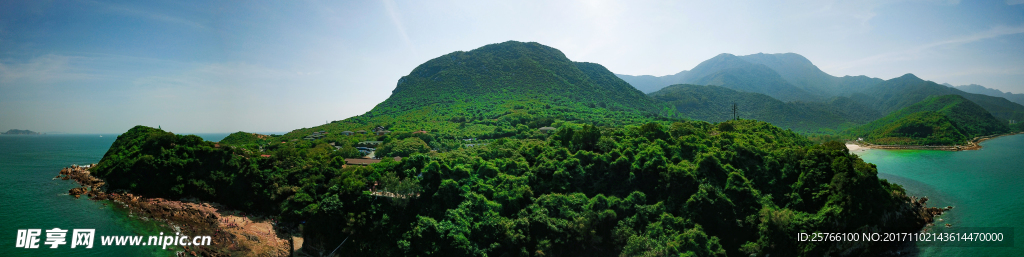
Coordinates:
<point>194,67</point>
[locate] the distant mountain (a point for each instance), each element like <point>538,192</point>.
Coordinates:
<point>936,120</point>
<point>503,85</point>
<point>729,71</point>
<point>906,90</point>
<point>799,71</point>
<point>20,132</point>
<point>977,89</point>
<point>786,77</point>
<point>649,84</point>
<point>714,104</point>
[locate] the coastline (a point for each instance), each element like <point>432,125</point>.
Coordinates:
<point>973,144</point>
<point>232,232</point>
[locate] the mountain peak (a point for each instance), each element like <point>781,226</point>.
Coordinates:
<point>500,79</point>
<point>780,57</point>
<point>909,76</point>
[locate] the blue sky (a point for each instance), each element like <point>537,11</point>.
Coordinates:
<point>199,67</point>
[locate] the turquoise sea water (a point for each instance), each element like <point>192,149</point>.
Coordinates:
<point>30,199</point>
<point>985,187</point>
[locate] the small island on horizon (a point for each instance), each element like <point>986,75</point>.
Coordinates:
<point>20,132</point>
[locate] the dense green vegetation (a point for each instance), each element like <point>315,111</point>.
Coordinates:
<point>937,120</point>
<point>714,104</point>
<point>404,147</point>
<point>244,138</point>
<point>690,188</point>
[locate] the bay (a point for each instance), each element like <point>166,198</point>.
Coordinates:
<point>985,187</point>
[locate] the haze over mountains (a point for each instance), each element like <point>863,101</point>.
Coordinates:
<point>800,96</point>
<point>978,89</point>
<point>776,75</point>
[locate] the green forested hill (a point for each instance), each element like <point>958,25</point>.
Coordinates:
<point>904,91</point>
<point>243,138</point>
<point>714,104</point>
<point>936,120</point>
<point>501,86</point>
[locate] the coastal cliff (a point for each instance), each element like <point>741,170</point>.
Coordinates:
<point>233,233</point>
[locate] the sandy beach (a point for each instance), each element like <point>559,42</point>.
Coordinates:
<point>854,148</point>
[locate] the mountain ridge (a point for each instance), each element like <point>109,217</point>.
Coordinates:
<point>796,70</point>
<point>906,90</point>
<point>978,89</point>
<point>936,120</point>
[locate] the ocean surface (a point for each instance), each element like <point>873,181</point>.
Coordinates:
<point>985,187</point>
<point>30,199</point>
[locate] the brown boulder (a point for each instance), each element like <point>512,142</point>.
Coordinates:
<point>77,191</point>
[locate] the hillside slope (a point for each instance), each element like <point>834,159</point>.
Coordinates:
<point>729,71</point>
<point>714,104</point>
<point>501,86</point>
<point>906,90</point>
<point>799,71</point>
<point>791,73</point>
<point>936,120</point>
<point>978,89</point>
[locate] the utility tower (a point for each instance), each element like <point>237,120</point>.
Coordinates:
<point>734,111</point>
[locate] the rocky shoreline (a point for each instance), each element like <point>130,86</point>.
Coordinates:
<point>974,144</point>
<point>233,233</point>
